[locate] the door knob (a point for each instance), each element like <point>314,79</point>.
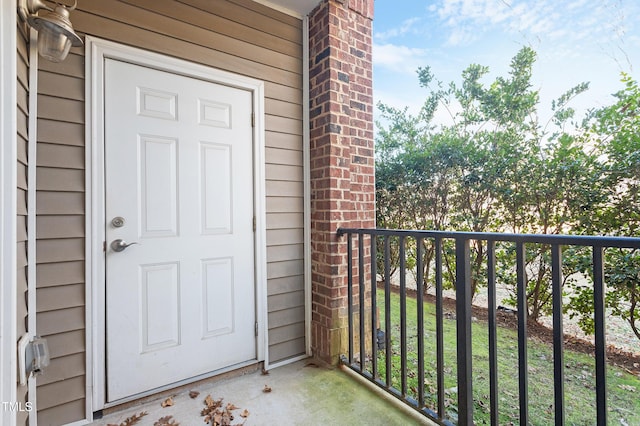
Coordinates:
<point>119,245</point>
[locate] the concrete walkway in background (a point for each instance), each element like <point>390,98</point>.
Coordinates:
<point>300,394</point>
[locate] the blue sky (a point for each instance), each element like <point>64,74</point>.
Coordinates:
<point>576,41</point>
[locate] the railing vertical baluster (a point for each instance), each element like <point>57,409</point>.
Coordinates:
<point>463,331</point>
<point>374,310</point>
<point>420,306</point>
<point>493,332</point>
<point>350,293</point>
<point>403,317</point>
<point>387,309</point>
<point>558,334</point>
<point>439,330</point>
<point>599,316</point>
<point>523,372</point>
<point>361,299</point>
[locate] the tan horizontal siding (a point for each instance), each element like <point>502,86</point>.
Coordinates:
<point>22,201</point>
<point>60,321</point>
<point>286,317</point>
<point>60,109</point>
<point>284,220</point>
<point>284,301</point>
<point>283,124</point>
<point>58,393</point>
<point>278,188</point>
<point>278,237</point>
<point>286,333</point>
<point>286,285</point>
<point>60,243</point>
<point>283,109</point>
<point>285,252</point>
<point>63,368</point>
<point>60,133</point>
<point>267,11</point>
<point>283,156</point>
<point>60,297</point>
<point>61,86</point>
<point>284,172</point>
<point>72,66</point>
<point>63,273</point>
<point>283,351</point>
<point>60,250</point>
<point>23,150</point>
<point>22,176</point>
<point>243,13</point>
<point>67,226</point>
<point>53,202</point>
<point>57,179</point>
<point>222,25</point>
<point>285,204</point>
<point>66,343</point>
<point>159,42</point>
<point>63,414</point>
<point>189,23</point>
<point>60,156</point>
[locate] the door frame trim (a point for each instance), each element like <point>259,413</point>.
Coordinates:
<point>96,51</point>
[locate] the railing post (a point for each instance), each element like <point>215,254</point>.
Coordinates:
<point>599,317</point>
<point>493,332</point>
<point>403,317</point>
<point>350,293</point>
<point>439,330</point>
<point>523,312</point>
<point>463,330</point>
<point>558,335</point>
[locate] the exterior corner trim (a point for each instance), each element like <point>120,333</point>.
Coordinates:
<point>306,154</point>
<point>8,209</point>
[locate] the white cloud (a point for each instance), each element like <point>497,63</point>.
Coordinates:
<point>408,26</point>
<point>398,58</point>
<point>577,21</point>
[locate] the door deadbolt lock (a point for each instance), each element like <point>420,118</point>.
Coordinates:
<point>118,222</point>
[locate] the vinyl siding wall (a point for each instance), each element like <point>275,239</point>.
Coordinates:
<point>23,143</point>
<point>238,36</point>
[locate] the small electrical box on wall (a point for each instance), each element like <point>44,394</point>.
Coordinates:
<point>33,356</point>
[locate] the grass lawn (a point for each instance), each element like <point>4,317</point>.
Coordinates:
<point>580,398</point>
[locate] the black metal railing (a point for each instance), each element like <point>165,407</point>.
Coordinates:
<point>370,345</point>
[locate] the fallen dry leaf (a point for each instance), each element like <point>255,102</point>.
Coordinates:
<point>265,372</point>
<point>167,402</point>
<point>166,421</point>
<point>132,420</point>
<point>245,413</point>
<point>266,389</point>
<point>193,394</point>
<point>231,406</point>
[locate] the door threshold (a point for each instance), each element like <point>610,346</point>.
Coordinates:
<point>233,371</point>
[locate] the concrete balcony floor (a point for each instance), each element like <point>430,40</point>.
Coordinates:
<point>302,393</point>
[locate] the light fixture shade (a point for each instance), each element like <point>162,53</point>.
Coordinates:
<point>55,33</point>
<point>53,45</point>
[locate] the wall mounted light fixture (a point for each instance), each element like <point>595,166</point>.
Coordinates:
<point>55,32</point>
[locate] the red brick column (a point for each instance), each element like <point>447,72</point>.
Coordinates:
<point>342,163</point>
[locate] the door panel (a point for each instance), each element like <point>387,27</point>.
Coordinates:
<point>180,302</point>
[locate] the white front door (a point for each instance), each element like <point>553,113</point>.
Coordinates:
<point>180,301</point>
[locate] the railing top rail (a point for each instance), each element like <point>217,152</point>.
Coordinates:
<point>553,239</point>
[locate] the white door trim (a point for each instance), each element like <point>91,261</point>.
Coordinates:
<point>8,209</point>
<point>96,51</point>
